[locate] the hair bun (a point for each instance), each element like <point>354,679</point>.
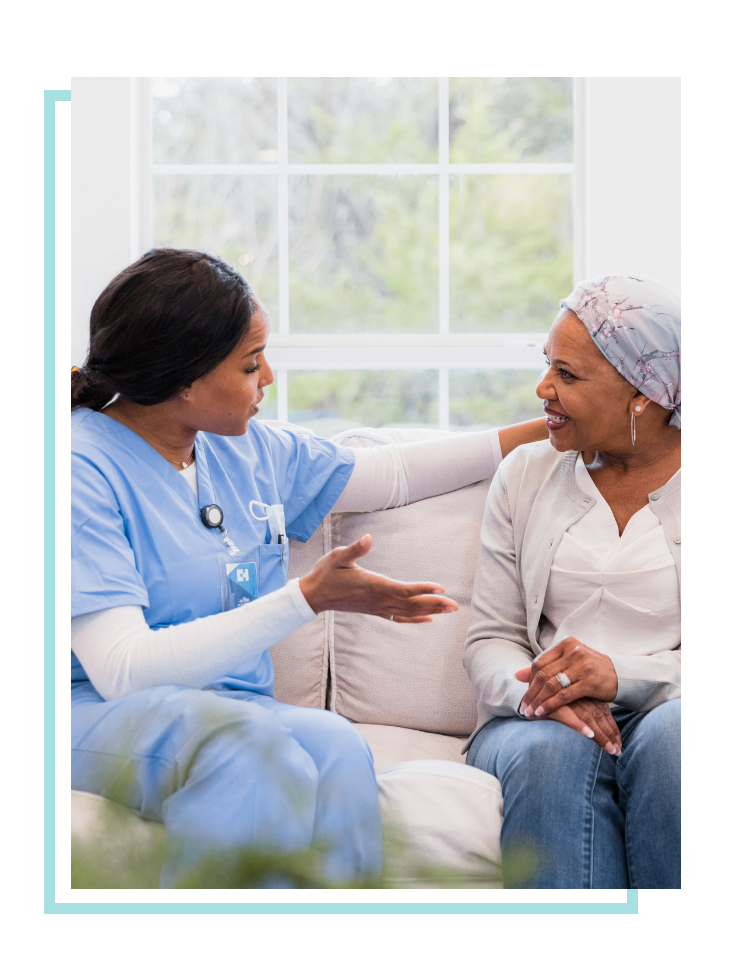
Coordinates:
<point>90,388</point>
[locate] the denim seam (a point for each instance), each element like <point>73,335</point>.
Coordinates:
<point>589,819</point>
<point>631,875</point>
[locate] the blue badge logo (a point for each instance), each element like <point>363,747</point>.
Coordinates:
<point>243,583</point>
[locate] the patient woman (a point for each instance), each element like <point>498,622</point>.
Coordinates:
<point>574,637</point>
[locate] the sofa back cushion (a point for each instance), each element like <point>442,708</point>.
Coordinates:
<point>301,659</point>
<point>374,671</point>
<point>405,674</point>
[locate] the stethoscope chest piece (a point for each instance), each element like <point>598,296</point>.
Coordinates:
<point>211,516</point>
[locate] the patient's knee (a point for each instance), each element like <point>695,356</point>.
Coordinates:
<point>550,745</point>
<point>657,739</point>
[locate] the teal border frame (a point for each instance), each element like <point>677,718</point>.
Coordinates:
<point>51,97</point>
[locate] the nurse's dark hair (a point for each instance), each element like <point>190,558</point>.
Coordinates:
<point>162,323</point>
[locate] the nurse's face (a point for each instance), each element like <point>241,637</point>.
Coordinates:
<point>226,398</point>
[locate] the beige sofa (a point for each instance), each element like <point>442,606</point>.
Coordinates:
<point>404,686</point>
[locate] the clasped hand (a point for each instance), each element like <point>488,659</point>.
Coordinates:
<point>583,705</point>
<point>337,583</point>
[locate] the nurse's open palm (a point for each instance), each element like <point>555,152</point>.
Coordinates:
<point>337,583</point>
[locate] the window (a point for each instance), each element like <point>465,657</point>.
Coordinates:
<point>411,237</point>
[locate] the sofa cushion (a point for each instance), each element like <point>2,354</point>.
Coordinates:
<point>437,814</point>
<point>396,744</point>
<point>301,659</point>
<point>400,674</point>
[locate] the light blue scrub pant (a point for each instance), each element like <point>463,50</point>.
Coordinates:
<point>594,821</point>
<point>224,770</point>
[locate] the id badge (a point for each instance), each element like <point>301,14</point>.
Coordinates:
<point>238,582</point>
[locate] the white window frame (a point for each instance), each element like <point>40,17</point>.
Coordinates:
<point>442,350</point>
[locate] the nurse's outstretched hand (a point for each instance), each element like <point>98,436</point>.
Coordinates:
<point>338,584</point>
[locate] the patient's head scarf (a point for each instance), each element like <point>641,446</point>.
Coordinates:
<point>636,323</point>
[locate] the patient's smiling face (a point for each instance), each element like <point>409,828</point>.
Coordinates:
<point>587,402</point>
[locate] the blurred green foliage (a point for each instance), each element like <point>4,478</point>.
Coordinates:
<point>230,216</point>
<point>511,251</point>
<point>492,398</point>
<point>511,120</point>
<point>118,851</point>
<point>111,847</point>
<point>363,254</point>
<point>363,120</point>
<point>213,120</point>
<point>331,401</point>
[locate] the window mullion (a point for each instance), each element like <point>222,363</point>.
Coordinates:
<point>283,203</point>
<point>282,388</point>
<point>443,208</point>
<point>443,244</point>
<point>581,182</point>
<point>146,170</point>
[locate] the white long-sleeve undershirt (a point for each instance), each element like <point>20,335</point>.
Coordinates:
<point>122,655</point>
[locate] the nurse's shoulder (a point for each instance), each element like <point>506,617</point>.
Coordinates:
<point>277,440</point>
<point>105,456</point>
<point>299,446</point>
<point>86,435</point>
<point>92,435</point>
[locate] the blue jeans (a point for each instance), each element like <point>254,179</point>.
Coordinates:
<point>226,770</point>
<point>594,821</point>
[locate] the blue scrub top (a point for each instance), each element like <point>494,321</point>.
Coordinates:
<point>137,536</point>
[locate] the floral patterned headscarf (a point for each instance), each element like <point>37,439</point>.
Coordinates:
<point>636,323</point>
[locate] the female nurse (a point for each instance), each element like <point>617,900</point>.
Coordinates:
<point>183,506</point>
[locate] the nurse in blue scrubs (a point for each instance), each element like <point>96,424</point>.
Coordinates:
<point>178,340</point>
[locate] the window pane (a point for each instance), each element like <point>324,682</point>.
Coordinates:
<point>332,401</point>
<point>510,252</point>
<point>233,217</point>
<point>363,120</point>
<point>214,120</point>
<point>363,254</point>
<point>493,398</point>
<point>511,120</point>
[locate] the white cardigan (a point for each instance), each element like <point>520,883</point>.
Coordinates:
<point>534,499</point>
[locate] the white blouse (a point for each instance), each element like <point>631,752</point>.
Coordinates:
<point>617,594</point>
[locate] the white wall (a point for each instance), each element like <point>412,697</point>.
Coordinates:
<point>629,218</point>
<point>105,206</point>
<point>633,150</point>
